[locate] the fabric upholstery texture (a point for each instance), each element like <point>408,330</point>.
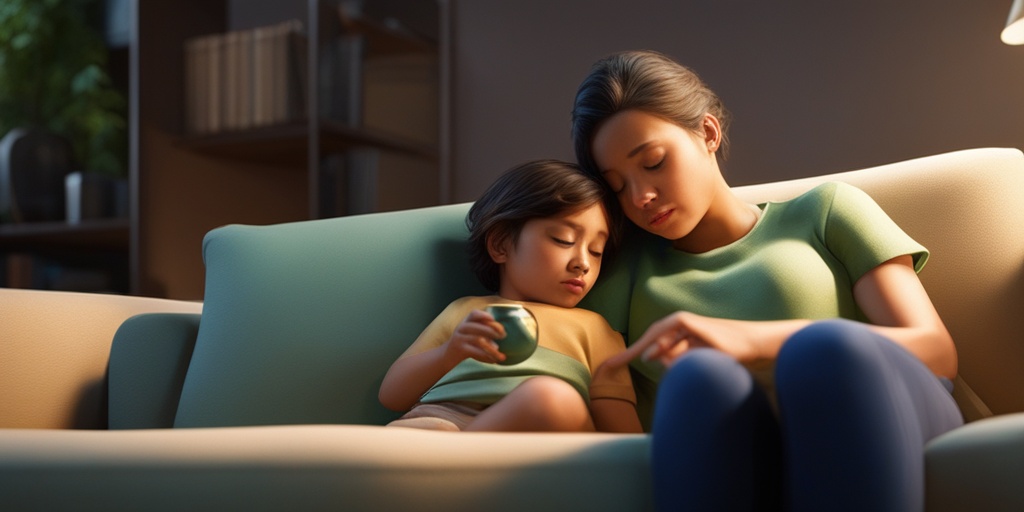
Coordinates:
<point>321,467</point>
<point>977,467</point>
<point>54,351</point>
<point>148,361</point>
<point>301,320</point>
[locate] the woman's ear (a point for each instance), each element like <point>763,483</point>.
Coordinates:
<point>712,132</point>
<point>497,247</point>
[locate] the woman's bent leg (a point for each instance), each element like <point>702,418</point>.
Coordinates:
<point>715,441</point>
<point>857,410</point>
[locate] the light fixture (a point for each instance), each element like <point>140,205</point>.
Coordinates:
<point>1014,31</point>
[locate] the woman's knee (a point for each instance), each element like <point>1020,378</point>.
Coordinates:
<point>706,387</point>
<point>830,348</point>
<point>839,366</point>
<point>706,374</point>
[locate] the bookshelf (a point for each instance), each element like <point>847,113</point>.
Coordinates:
<point>90,255</point>
<point>385,150</point>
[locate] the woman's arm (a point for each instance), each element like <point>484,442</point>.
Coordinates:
<point>411,376</point>
<point>890,295</point>
<point>898,307</point>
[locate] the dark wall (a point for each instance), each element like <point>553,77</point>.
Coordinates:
<point>813,86</point>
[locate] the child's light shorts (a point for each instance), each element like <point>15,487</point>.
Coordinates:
<point>451,416</point>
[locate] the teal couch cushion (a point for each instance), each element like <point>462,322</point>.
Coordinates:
<point>149,357</point>
<point>302,320</point>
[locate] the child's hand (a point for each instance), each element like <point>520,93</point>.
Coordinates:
<point>474,338</point>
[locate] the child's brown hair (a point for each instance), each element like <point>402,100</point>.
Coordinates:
<point>536,189</point>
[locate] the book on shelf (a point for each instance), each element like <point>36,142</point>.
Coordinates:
<point>245,79</point>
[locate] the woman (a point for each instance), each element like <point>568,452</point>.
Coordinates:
<point>806,365</point>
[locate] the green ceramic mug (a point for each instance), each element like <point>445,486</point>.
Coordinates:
<point>520,339</point>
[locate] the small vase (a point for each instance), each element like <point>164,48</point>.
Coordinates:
<point>520,339</point>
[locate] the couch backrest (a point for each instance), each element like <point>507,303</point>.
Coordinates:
<point>302,320</point>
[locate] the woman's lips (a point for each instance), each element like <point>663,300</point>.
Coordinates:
<point>659,218</point>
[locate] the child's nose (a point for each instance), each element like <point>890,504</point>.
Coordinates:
<point>580,264</point>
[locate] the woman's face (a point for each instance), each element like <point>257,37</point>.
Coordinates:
<point>663,175</point>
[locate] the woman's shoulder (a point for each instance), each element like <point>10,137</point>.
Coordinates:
<point>822,193</point>
<point>823,197</point>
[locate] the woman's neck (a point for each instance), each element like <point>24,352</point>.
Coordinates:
<point>727,220</point>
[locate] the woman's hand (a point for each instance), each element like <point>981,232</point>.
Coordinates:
<point>671,337</point>
<point>474,338</point>
<point>668,339</point>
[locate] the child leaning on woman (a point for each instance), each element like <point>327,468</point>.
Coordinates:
<point>537,238</point>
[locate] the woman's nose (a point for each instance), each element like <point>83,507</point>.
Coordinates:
<point>643,196</point>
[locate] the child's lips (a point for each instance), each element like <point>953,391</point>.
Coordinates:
<point>575,285</point>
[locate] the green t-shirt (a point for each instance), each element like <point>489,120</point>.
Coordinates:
<point>800,261</point>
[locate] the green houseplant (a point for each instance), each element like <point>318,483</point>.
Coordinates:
<point>53,76</point>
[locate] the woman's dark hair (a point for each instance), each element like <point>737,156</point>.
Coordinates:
<point>533,190</point>
<point>647,81</point>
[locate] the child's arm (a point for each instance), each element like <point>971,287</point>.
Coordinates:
<point>611,407</point>
<point>411,376</point>
<point>615,415</point>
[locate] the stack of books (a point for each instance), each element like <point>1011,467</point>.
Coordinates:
<point>246,79</point>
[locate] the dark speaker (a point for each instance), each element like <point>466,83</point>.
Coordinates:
<point>33,164</point>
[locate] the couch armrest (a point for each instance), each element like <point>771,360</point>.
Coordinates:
<point>148,362</point>
<point>55,347</point>
<point>977,467</point>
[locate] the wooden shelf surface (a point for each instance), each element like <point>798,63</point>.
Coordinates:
<point>289,143</point>
<point>86,236</point>
<point>386,38</point>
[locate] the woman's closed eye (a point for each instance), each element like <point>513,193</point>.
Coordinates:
<point>653,158</point>
<point>656,165</point>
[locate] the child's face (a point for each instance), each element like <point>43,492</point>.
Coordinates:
<point>556,260</point>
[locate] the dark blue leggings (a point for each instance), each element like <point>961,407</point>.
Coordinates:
<point>855,411</point>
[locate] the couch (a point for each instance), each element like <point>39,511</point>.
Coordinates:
<point>264,395</point>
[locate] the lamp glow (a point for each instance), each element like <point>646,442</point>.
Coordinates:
<point>1014,31</point>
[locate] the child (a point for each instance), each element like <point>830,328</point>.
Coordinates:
<point>537,237</point>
